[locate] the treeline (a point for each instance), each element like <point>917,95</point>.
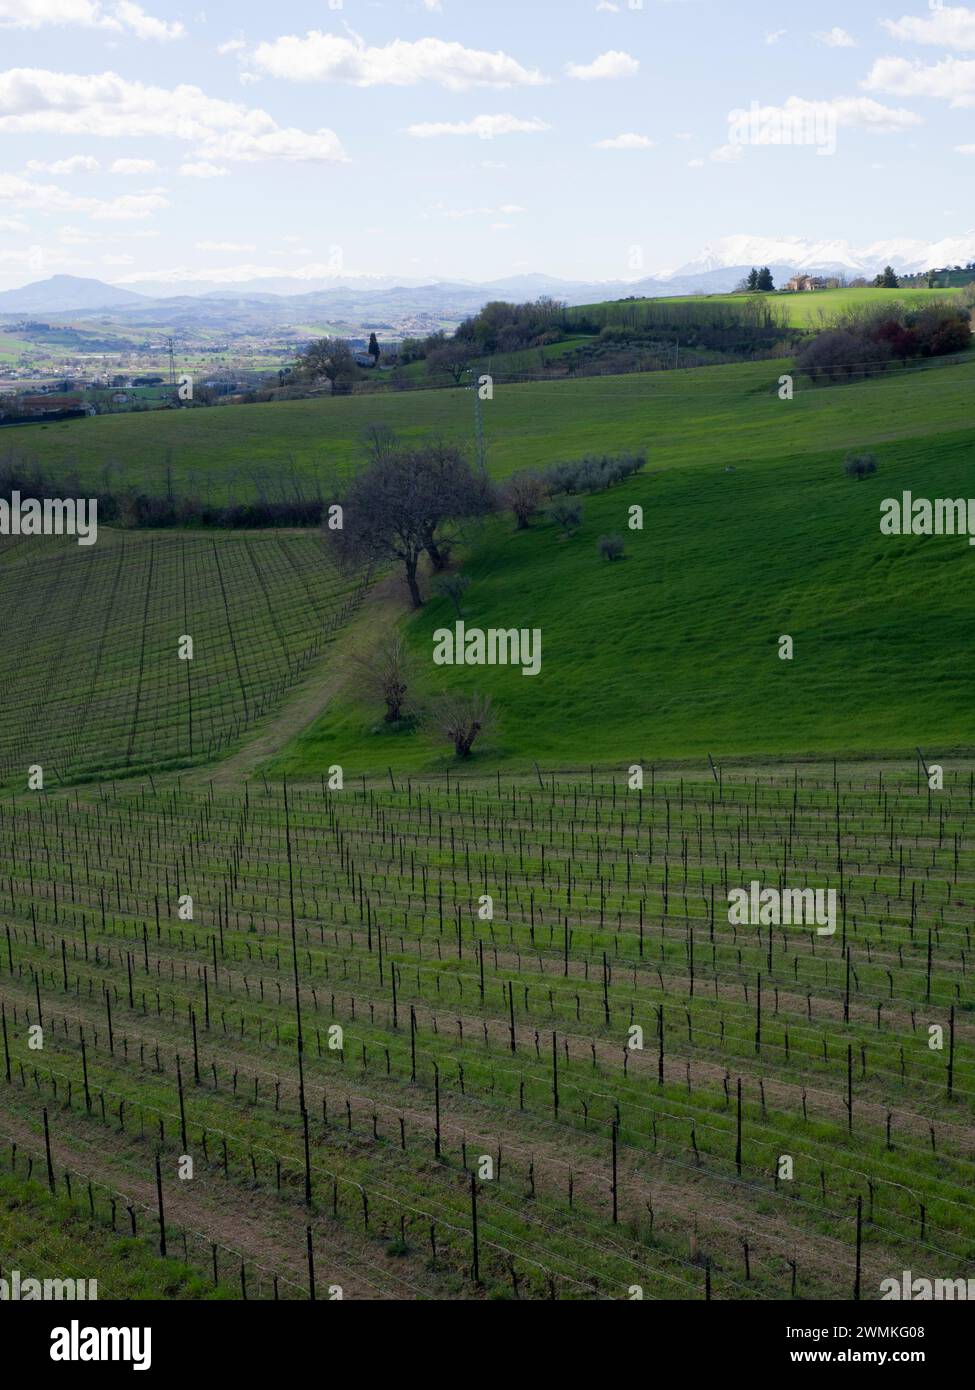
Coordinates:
<point>691,318</point>
<point>870,338</point>
<point>503,327</point>
<point>135,510</point>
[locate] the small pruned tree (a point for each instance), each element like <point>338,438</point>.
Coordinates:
<point>388,674</point>
<point>611,547</point>
<point>567,517</point>
<point>859,466</point>
<point>523,494</point>
<point>453,587</point>
<point>378,440</point>
<point>460,719</point>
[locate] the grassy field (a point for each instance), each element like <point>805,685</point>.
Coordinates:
<point>673,651</point>
<point>491,1058</point>
<point>699,419</point>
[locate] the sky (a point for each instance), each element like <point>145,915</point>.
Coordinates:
<point>470,139</point>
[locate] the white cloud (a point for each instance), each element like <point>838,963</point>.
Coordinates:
<point>41,102</point>
<point>727,154</point>
<point>433,5</point>
<point>347,58</point>
<point>951,27</point>
<point>133,166</point>
<point>774,35</point>
<point>24,193</point>
<point>613,64</point>
<point>607,7</point>
<point>838,111</point>
<point>835,38</point>
<point>75,164</point>
<point>13,224</point>
<point>237,246</point>
<point>626,142</point>
<point>695,164</point>
<point>122,16</point>
<point>458,214</point>
<point>117,260</point>
<point>487,127</point>
<point>143,25</point>
<point>952,80</point>
<point>231,273</point>
<point>202,169</point>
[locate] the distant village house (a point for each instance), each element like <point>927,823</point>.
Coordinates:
<point>803,283</point>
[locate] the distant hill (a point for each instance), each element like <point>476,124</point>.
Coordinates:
<point>67,294</point>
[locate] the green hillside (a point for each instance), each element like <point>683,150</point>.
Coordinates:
<point>803,309</point>
<point>706,417</point>
<point>672,652</point>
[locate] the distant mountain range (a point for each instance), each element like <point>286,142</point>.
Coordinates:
<point>385,302</point>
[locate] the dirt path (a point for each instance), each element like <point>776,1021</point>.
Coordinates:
<point>383,606</point>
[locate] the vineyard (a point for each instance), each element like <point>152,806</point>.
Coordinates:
<point>95,678</point>
<point>495,1038</point>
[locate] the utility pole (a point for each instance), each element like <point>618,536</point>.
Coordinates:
<point>171,350</point>
<point>478,422</point>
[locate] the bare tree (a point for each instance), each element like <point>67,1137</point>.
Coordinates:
<point>460,719</point>
<point>408,502</point>
<point>328,358</point>
<point>378,440</point>
<point>388,674</point>
<point>523,494</point>
<point>453,358</point>
<point>453,587</point>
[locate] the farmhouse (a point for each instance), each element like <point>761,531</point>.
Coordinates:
<point>804,283</point>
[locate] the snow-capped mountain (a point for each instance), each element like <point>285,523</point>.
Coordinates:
<point>905,254</point>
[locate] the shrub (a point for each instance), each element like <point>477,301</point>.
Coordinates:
<point>567,517</point>
<point>523,494</point>
<point>453,587</point>
<point>592,473</point>
<point>610,547</point>
<point>859,466</point>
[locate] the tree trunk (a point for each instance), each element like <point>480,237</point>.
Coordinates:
<point>413,585</point>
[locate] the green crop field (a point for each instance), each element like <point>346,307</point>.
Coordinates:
<point>109,619</point>
<point>442,1039</point>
